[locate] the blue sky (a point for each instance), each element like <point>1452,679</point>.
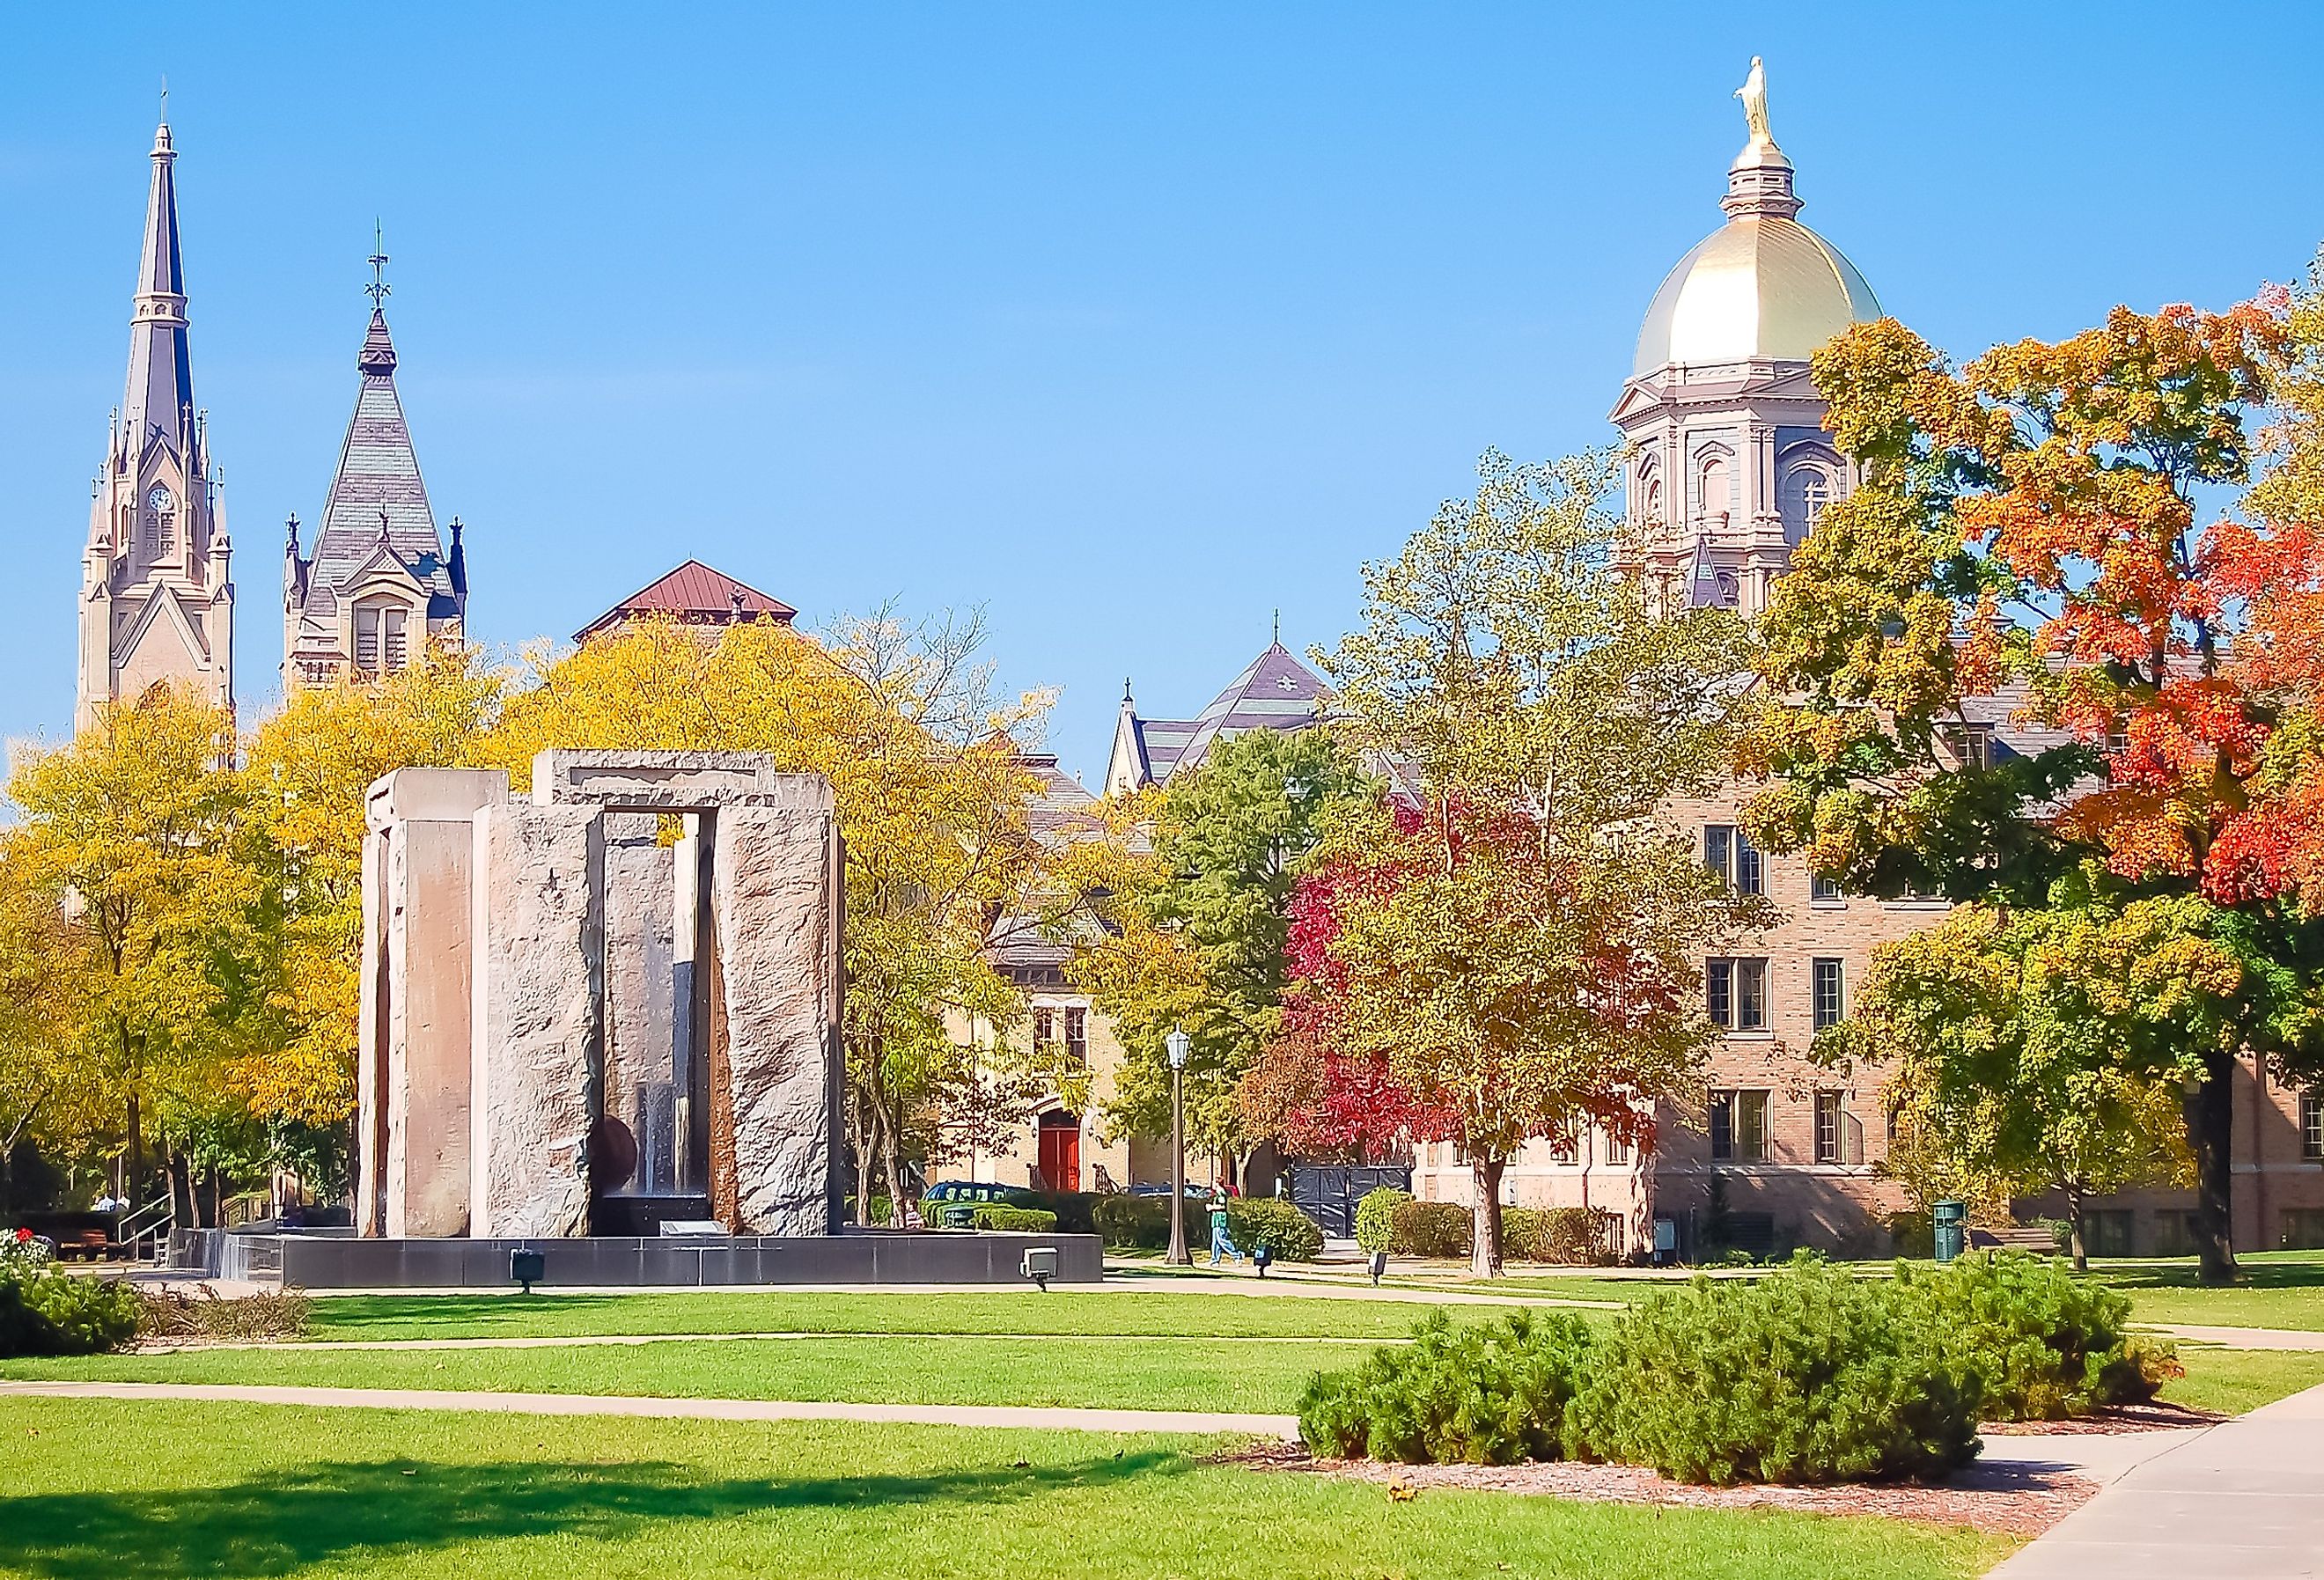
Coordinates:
<point>1131,324</point>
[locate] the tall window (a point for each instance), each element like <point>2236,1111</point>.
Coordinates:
<point>1829,998</point>
<point>1972,744</point>
<point>1563,1149</point>
<point>1805,491</point>
<point>1076,1035</point>
<point>1615,1150</point>
<point>1713,484</point>
<point>1735,992</point>
<point>1727,851</point>
<point>1823,891</point>
<point>367,640</point>
<point>2311,1126</point>
<point>1044,1028</point>
<point>1827,1127</point>
<point>1739,1127</point>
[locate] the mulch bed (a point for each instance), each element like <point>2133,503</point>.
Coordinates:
<point>2119,1418</point>
<point>2007,1499</point>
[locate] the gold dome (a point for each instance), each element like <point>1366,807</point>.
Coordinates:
<point>1763,287</point>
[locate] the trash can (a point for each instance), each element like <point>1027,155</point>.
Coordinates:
<point>1950,1220</point>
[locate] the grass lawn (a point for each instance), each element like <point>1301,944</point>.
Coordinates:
<point>92,1489</point>
<point>2234,1381</point>
<point>1126,1373</point>
<point>2278,1289</point>
<point>1160,1313</point>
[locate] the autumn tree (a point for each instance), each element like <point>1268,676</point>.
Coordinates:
<point>130,837</point>
<point>2040,1049</point>
<point>2025,544</point>
<point>1198,914</point>
<point>1526,952</point>
<point>933,799</point>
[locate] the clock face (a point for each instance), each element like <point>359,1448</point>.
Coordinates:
<point>160,500</point>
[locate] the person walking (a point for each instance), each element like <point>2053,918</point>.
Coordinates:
<point>1220,1241</point>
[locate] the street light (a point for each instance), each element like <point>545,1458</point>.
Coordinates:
<point>1178,1044</point>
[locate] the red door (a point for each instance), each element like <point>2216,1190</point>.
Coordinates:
<point>1061,1152</point>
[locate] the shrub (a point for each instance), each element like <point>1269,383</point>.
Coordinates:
<point>1914,1232</point>
<point>1375,1218</point>
<point>1487,1395</point>
<point>1288,1233</point>
<point>1430,1228</point>
<point>1014,1220</point>
<point>1142,1222</point>
<point>1570,1237</point>
<point>47,1311</point>
<point>2048,1346</point>
<point>1809,1376</point>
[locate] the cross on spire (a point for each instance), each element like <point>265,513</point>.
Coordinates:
<point>379,290</point>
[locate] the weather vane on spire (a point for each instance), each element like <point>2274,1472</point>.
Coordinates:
<point>165,98</point>
<point>379,290</point>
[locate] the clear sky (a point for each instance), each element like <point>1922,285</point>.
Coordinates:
<point>1132,323</point>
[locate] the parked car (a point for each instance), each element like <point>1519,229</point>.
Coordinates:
<point>949,1202</point>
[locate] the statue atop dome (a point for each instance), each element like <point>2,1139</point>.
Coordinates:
<point>1754,94</point>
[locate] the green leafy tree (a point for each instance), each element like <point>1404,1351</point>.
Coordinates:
<point>1528,952</point>
<point>2045,1049</point>
<point>1197,893</point>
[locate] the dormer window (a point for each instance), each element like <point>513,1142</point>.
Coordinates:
<point>382,645</point>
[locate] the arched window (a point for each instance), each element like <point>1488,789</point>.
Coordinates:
<point>380,644</point>
<point>1713,493</point>
<point>1806,490</point>
<point>1649,495</point>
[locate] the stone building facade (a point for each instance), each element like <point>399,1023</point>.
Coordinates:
<point>157,588</point>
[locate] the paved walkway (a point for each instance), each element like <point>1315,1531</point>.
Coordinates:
<point>600,1340</point>
<point>1036,1418</point>
<point>2242,1338</point>
<point>2240,1500</point>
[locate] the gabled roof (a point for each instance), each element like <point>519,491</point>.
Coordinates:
<point>1275,692</point>
<point>693,594</point>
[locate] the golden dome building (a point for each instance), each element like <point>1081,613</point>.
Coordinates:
<point>1731,463</point>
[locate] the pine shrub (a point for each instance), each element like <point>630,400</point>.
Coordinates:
<point>1253,1221</point>
<point>1376,1219</point>
<point>46,1311</point>
<point>2047,1346</point>
<point>1809,1376</point>
<point>1014,1220</point>
<point>1488,1395</point>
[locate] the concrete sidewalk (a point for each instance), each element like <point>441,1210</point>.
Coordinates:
<point>2241,1501</point>
<point>2239,1338</point>
<point>1036,1418</point>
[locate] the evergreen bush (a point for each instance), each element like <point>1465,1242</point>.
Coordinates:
<point>1014,1220</point>
<point>1430,1228</point>
<point>1570,1236</point>
<point>1375,1218</point>
<point>1809,1376</point>
<point>46,1311</point>
<point>1253,1221</point>
<point>2048,1346</point>
<point>1487,1395</point>
<point>1139,1222</point>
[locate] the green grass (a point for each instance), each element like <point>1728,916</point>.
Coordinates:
<point>92,1490</point>
<point>2234,1381</point>
<point>1124,1373</point>
<point>1160,1313</point>
<point>2277,1288</point>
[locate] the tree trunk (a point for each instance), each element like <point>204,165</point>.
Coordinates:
<point>1485,1236</point>
<point>891,1164</point>
<point>2209,1107</point>
<point>132,1181</point>
<point>862,1125</point>
<point>2077,1206</point>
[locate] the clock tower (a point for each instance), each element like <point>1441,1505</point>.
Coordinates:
<point>157,600</point>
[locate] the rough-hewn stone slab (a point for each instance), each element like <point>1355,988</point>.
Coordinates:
<point>775,912</point>
<point>671,780</point>
<point>538,959</point>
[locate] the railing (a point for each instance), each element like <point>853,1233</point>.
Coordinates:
<point>149,1224</point>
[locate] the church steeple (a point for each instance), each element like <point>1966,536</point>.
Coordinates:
<point>157,603</point>
<point>159,400</point>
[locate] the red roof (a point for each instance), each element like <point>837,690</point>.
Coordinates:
<point>693,594</point>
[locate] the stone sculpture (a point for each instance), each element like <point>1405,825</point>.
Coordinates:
<point>570,1025</point>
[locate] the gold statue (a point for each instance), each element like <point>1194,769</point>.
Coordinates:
<point>1754,94</point>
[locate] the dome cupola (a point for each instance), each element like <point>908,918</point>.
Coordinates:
<point>1761,287</point>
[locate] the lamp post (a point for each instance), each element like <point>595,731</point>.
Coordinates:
<point>1178,1044</point>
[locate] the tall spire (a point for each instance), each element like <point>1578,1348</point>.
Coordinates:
<point>160,397</point>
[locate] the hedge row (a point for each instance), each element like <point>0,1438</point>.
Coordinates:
<point>1811,1375</point>
<point>1143,1223</point>
<point>1390,1220</point>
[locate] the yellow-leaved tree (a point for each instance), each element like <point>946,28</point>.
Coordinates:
<point>934,801</point>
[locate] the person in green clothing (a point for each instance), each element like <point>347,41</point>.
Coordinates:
<point>1220,1241</point>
